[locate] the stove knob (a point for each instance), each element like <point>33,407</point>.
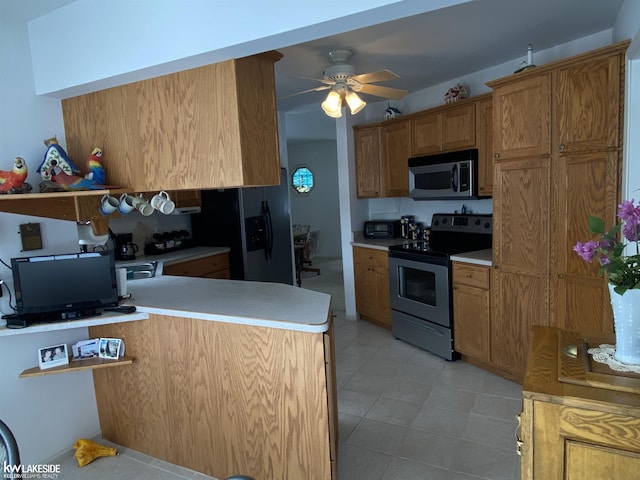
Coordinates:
<point>477,221</point>
<point>444,220</point>
<point>437,222</point>
<point>487,225</point>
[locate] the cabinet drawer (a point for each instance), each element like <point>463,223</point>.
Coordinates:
<point>472,275</point>
<point>199,267</point>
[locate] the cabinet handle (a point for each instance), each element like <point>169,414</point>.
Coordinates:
<point>519,442</point>
<point>496,155</point>
<point>468,275</point>
<point>560,275</point>
<point>562,146</point>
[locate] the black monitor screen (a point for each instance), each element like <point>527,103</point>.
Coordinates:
<point>64,283</point>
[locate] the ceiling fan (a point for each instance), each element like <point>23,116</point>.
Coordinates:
<point>344,85</point>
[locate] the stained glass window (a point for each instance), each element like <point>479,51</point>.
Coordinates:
<point>302,180</point>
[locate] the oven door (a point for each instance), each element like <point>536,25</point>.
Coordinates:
<point>421,289</point>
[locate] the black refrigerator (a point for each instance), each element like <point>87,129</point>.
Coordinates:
<point>255,223</point>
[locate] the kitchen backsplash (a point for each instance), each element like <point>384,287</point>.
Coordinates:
<point>394,208</point>
<point>144,227</point>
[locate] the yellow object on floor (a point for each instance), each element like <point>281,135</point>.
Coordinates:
<point>88,450</point>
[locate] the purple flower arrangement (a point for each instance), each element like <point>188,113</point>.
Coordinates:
<point>623,271</point>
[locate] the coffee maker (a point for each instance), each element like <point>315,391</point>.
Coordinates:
<point>125,248</point>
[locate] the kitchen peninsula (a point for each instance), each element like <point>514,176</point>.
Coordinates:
<point>228,376</point>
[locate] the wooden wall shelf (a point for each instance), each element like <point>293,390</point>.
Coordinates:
<point>77,365</point>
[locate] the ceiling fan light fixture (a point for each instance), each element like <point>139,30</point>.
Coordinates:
<point>355,102</point>
<point>332,105</point>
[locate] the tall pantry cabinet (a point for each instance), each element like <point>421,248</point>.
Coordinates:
<point>557,151</point>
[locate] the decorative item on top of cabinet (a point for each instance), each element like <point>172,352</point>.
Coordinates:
<point>371,271</point>
<point>471,310</point>
<point>219,123</point>
<point>13,181</point>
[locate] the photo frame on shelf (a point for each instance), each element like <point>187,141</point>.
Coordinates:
<point>111,348</point>
<point>85,349</point>
<point>53,356</point>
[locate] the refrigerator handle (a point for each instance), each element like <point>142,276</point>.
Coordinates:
<point>269,228</point>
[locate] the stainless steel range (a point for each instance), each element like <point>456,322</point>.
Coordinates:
<point>420,280</point>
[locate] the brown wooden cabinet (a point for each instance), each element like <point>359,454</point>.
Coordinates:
<point>448,128</point>
<point>471,310</point>
<point>371,278</point>
<point>208,127</point>
<point>382,154</point>
<point>222,398</point>
<point>552,168</point>
<point>574,430</point>
<point>212,266</point>
<point>484,142</point>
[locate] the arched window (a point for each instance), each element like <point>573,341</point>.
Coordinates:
<point>302,180</point>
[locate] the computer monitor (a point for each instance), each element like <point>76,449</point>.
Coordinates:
<point>52,288</point>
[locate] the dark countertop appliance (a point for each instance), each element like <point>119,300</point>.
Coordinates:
<point>444,176</point>
<point>254,222</point>
<point>381,229</point>
<point>125,248</point>
<point>420,280</point>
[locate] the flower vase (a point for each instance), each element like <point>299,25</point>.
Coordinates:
<point>626,321</point>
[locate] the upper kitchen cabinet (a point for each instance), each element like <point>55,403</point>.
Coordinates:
<point>588,104</point>
<point>209,127</point>
<point>484,142</point>
<point>382,154</point>
<point>452,127</point>
<point>521,117</point>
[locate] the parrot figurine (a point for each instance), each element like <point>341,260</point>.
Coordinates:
<point>14,178</point>
<point>74,182</point>
<point>94,167</point>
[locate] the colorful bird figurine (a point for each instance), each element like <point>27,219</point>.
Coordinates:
<point>94,167</point>
<point>74,182</point>
<point>14,178</point>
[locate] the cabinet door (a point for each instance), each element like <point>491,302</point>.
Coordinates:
<point>521,113</point>
<point>396,139</point>
<point>588,103</point>
<point>426,134</point>
<point>484,142</point>
<point>459,127</point>
<point>471,321</point>
<point>367,155</point>
<point>521,258</point>
<point>371,271</point>
<point>583,184</point>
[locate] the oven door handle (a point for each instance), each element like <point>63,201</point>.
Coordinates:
<point>454,178</point>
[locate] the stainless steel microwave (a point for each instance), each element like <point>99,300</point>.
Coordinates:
<point>444,176</point>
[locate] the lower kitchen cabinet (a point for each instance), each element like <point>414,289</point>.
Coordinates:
<point>471,310</point>
<point>570,429</point>
<point>212,266</point>
<point>371,272</point>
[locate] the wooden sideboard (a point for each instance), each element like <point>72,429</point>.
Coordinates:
<point>577,423</point>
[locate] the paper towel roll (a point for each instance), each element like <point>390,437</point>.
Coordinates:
<point>121,279</point>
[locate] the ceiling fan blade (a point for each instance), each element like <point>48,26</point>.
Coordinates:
<point>372,77</point>
<point>317,89</point>
<point>326,81</point>
<point>386,92</point>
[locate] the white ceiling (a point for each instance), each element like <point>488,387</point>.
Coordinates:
<point>426,49</point>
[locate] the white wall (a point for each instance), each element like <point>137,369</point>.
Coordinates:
<point>46,414</point>
<point>320,207</point>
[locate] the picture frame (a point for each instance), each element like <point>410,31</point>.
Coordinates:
<point>110,348</point>
<point>85,349</point>
<point>53,356</point>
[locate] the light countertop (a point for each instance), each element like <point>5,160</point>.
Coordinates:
<point>479,257</point>
<point>379,244</point>
<point>259,304</point>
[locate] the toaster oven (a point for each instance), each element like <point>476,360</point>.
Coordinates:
<point>382,229</point>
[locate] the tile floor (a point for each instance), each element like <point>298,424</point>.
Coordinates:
<point>404,414</point>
